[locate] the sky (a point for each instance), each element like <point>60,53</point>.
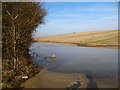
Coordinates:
<point>69,17</point>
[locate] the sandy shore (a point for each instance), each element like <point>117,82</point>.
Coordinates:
<point>46,79</point>
<point>54,80</point>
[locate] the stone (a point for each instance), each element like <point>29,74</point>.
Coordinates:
<point>25,77</point>
<point>53,56</point>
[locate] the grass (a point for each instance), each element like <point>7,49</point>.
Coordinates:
<point>106,38</point>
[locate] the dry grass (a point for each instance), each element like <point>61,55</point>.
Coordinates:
<point>106,38</point>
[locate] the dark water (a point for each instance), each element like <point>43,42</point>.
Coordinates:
<point>97,62</point>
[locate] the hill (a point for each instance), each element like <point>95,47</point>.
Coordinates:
<point>106,38</point>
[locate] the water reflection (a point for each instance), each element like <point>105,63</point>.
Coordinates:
<point>42,60</point>
<point>100,63</point>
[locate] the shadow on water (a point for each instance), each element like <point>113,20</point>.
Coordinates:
<point>92,83</point>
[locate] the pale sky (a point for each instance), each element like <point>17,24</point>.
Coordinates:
<point>69,17</point>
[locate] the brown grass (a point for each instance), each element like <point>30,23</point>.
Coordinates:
<point>106,38</point>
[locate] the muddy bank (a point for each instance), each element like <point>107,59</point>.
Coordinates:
<point>46,79</point>
<point>55,80</point>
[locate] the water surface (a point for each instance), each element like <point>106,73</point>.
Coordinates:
<point>98,62</point>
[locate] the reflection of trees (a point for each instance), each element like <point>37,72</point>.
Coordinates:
<point>49,60</point>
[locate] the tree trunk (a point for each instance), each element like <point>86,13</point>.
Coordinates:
<point>14,39</point>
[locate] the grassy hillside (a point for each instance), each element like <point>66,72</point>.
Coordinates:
<point>106,38</point>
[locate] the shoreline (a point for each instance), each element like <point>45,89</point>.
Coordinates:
<point>80,45</point>
<point>46,79</point>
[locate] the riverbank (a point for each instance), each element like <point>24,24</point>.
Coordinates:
<point>75,44</point>
<point>46,79</point>
<point>14,78</point>
<point>97,39</point>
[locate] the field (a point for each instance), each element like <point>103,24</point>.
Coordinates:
<point>106,38</point>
